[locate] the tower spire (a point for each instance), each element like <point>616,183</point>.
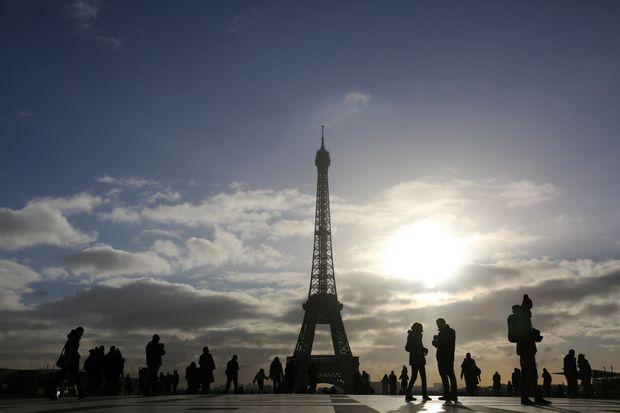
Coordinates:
<point>322,136</point>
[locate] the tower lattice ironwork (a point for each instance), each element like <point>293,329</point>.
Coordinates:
<point>322,306</point>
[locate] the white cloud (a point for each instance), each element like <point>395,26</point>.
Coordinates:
<point>83,13</point>
<point>105,261</point>
<point>338,108</point>
<point>43,221</point>
<point>55,273</point>
<point>120,214</point>
<point>166,248</point>
<point>238,23</point>
<point>527,193</point>
<point>228,249</point>
<point>130,182</point>
<point>14,281</point>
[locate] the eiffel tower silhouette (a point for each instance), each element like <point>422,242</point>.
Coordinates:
<point>322,306</point>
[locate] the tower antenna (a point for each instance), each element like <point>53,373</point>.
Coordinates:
<point>322,136</point>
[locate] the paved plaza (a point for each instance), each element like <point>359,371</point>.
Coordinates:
<point>297,404</point>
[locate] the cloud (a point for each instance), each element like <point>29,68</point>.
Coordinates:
<point>24,113</point>
<point>130,182</point>
<point>238,23</point>
<point>105,261</point>
<point>43,221</point>
<point>84,14</point>
<point>228,249</point>
<point>15,280</point>
<point>119,214</point>
<point>527,193</point>
<point>338,108</point>
<point>166,248</point>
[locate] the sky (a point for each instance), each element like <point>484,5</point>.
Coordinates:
<point>157,169</point>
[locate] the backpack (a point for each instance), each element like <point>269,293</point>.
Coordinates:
<point>512,328</point>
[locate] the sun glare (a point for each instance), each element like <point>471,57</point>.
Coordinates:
<point>424,251</point>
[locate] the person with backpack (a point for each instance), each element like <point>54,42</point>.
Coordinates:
<point>521,332</point>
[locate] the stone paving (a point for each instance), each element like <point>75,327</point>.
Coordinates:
<point>297,404</point>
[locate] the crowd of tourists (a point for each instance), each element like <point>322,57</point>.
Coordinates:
<point>104,371</point>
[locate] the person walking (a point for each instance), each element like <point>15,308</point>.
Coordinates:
<point>417,360</point>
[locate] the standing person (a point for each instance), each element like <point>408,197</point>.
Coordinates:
<point>393,383</point>
<point>259,379</point>
<point>585,374</point>
<point>516,381</point>
<point>445,342</point>
<point>546,376</point>
<point>471,373</point>
<point>154,352</point>
<point>313,374</point>
<point>521,332</point>
<point>207,365</point>
<point>497,384</point>
<point>571,373</point>
<point>232,373</point>
<point>275,374</point>
<point>385,382</point>
<point>175,381</point>
<point>366,387</point>
<point>128,386</point>
<point>404,380</point>
<point>192,378</point>
<point>417,360</point>
<point>509,388</point>
<point>290,374</point>
<point>69,363</point>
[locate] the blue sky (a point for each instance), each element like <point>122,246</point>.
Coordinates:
<point>169,150</point>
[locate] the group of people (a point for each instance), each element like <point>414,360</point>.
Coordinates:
<point>104,370</point>
<point>577,369</point>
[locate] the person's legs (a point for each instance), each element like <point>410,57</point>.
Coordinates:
<point>444,381</point>
<point>228,381</point>
<point>235,383</point>
<point>453,390</point>
<point>423,380</point>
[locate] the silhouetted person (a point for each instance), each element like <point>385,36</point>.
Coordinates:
<point>404,380</point>
<point>175,381</point>
<point>192,378</point>
<point>521,332</point>
<point>417,360</point>
<point>385,382</point>
<point>128,385</point>
<point>516,381</point>
<point>290,374</point>
<point>313,375</point>
<point>69,363</point>
<point>393,383</point>
<point>509,388</point>
<point>357,382</point>
<point>445,342</point>
<point>367,388</point>
<point>91,371</point>
<point>571,373</point>
<point>232,373</point>
<point>161,384</point>
<point>154,352</point>
<point>497,384</point>
<point>546,376</point>
<point>259,379</point>
<point>207,365</point>
<point>275,374</point>
<point>471,373</point>
<point>585,375</point>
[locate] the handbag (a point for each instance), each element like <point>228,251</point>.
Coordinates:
<point>62,359</point>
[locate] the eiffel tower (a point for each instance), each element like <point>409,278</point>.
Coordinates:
<point>322,306</point>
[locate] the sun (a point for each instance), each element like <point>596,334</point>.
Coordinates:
<point>423,251</point>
